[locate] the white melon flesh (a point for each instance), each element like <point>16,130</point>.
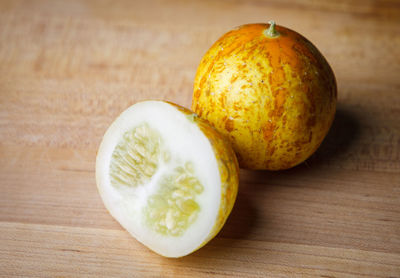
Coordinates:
<point>159,177</point>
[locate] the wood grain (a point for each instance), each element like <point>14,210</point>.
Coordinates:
<point>68,68</point>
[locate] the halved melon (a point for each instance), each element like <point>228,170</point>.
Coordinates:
<point>167,177</point>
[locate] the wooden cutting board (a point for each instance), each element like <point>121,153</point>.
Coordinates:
<point>68,68</point>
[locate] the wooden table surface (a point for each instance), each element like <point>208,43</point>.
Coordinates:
<point>68,68</point>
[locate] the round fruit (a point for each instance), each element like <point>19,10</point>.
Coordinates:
<point>268,90</point>
<point>167,177</point>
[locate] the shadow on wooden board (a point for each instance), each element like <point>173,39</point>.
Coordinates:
<point>345,130</point>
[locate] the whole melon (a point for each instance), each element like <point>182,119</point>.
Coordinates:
<point>269,91</point>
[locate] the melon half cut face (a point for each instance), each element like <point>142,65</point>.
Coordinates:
<point>167,177</point>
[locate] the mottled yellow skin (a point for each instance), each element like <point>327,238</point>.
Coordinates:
<point>273,98</point>
<point>228,169</point>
